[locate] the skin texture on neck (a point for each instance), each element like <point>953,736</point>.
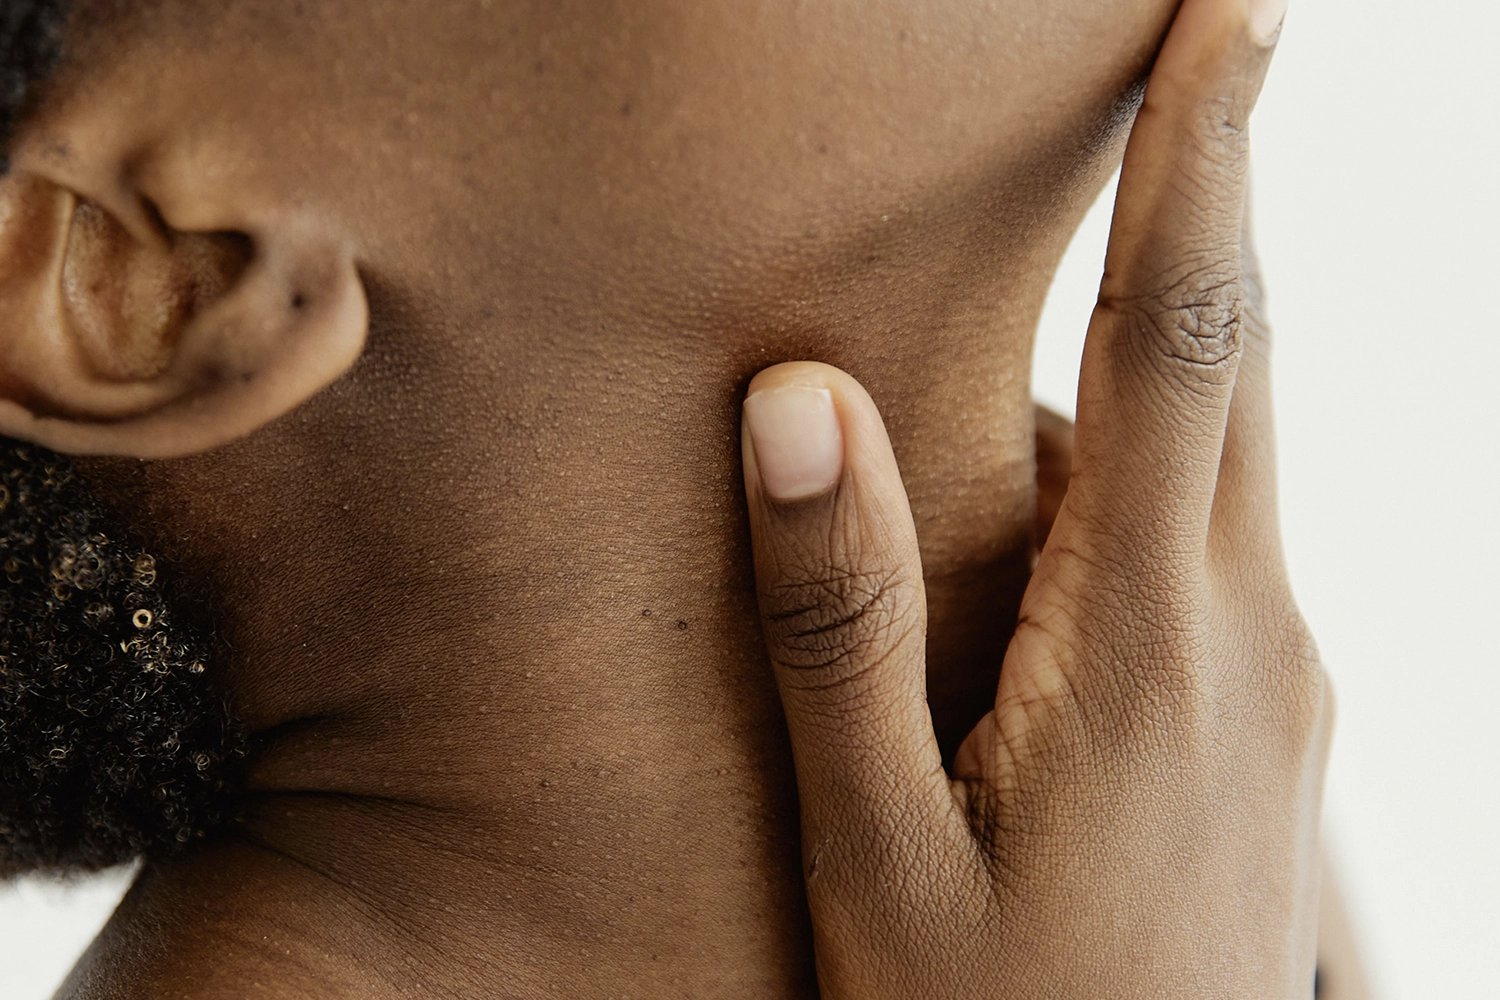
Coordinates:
<point>489,596</point>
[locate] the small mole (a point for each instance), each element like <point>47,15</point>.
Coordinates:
<point>681,624</point>
<point>546,784</point>
<point>625,109</point>
<point>299,301</point>
<point>646,613</point>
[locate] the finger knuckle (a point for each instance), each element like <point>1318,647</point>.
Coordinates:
<point>1224,128</point>
<point>832,626</point>
<point>1303,680</point>
<point>1266,682</point>
<point>1210,132</point>
<point>1192,326</point>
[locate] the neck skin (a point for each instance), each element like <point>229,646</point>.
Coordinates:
<point>489,598</point>
<point>514,727</point>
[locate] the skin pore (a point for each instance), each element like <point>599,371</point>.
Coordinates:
<point>478,765</point>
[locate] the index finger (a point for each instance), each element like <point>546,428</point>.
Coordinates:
<point>1163,346</point>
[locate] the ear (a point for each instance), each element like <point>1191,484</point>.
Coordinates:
<point>122,335</point>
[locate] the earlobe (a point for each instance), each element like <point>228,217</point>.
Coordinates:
<point>124,338</point>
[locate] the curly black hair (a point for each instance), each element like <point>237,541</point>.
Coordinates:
<point>30,45</point>
<point>115,742</point>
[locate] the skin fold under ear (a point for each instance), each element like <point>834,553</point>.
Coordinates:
<point>121,335</point>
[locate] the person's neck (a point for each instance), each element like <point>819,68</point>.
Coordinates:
<point>499,653</point>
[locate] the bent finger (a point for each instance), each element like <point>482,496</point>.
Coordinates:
<point>1054,466</point>
<point>839,581</point>
<point>1245,535</point>
<point>1164,341</point>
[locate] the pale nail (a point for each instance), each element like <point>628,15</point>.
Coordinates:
<point>1266,17</point>
<point>799,446</point>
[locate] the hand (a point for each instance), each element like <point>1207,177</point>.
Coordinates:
<point>1137,817</point>
<point>1054,467</point>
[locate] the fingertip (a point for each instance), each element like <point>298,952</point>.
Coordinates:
<point>1219,44</point>
<point>812,373</point>
<point>1266,19</point>
<point>795,440</point>
<point>800,419</point>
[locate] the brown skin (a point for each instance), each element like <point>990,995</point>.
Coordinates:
<point>577,229</point>
<point>1138,816</point>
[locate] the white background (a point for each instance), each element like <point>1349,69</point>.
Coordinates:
<point>1378,212</point>
<point>1377,206</point>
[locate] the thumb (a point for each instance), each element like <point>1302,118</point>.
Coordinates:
<point>1054,467</point>
<point>841,600</point>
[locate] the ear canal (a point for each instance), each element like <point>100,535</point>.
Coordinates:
<point>126,301</point>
